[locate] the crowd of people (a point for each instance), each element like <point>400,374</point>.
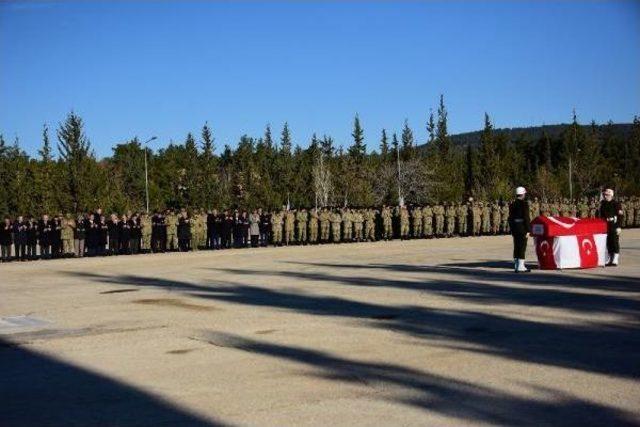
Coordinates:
<point>96,234</point>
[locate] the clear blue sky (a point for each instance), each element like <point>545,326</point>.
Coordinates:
<point>164,68</point>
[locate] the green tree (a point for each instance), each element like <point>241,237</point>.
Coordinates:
<point>74,149</point>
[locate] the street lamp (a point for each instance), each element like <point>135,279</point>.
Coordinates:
<point>146,170</point>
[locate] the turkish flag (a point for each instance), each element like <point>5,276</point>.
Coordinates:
<point>544,250</point>
<point>588,251</point>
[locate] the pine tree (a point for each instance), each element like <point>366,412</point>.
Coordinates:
<point>407,150</point>
<point>358,150</point>
<point>327,146</point>
<point>44,177</point>
<point>431,127</point>
<point>268,140</point>
<point>74,147</point>
<point>470,179</point>
<point>285,140</point>
<point>384,145</point>
<point>207,141</point>
<point>442,135</point>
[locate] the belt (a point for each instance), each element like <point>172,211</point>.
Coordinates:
<point>612,219</point>
<point>518,220</point>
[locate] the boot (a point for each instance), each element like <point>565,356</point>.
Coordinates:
<point>515,265</point>
<point>522,268</point>
<point>614,260</point>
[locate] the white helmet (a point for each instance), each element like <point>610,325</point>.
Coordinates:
<point>608,192</point>
<point>520,191</point>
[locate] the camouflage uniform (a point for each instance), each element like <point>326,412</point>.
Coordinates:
<point>325,223</point>
<point>358,225</point>
<point>404,222</point>
<point>302,217</point>
<point>172,231</point>
<point>313,226</point>
<point>427,221</point>
<point>496,217</point>
<point>289,227</point>
<point>438,212</point>
<point>67,236</point>
<point>387,224</point>
<point>370,224</point>
<point>504,218</point>
<point>347,225</point>
<point>276,227</point>
<point>416,217</point>
<point>486,219</point>
<point>145,222</point>
<point>336,220</point>
<point>450,212</point>
<point>463,212</point>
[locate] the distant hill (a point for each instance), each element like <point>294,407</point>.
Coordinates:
<point>621,130</point>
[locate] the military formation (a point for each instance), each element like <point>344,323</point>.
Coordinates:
<point>96,234</point>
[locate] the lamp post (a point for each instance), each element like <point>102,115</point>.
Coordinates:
<point>146,171</point>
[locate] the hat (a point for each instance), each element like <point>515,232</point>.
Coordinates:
<point>608,192</point>
<point>520,191</point>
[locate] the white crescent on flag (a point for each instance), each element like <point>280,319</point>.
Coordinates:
<point>563,224</point>
<point>586,243</point>
<point>544,247</point>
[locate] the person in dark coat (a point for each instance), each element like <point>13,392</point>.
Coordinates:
<point>612,212</point>
<point>113,234</point>
<point>103,233</point>
<point>20,238</point>
<point>32,238</point>
<point>227,230</point>
<point>520,224</point>
<point>136,234</point>
<point>93,237</point>
<point>184,232</point>
<point>44,236</point>
<point>125,235</point>
<point>265,227</point>
<point>56,236</point>
<point>80,236</point>
<point>6,239</point>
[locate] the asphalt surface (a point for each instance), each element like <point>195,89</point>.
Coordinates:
<point>424,332</point>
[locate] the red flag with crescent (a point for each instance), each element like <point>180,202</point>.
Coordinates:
<point>588,251</point>
<point>544,250</point>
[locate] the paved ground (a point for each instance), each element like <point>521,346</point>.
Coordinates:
<point>401,333</point>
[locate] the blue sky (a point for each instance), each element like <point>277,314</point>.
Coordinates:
<point>164,68</point>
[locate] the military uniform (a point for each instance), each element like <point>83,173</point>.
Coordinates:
<point>438,211</point>
<point>347,225</point>
<point>172,231</point>
<point>504,218</point>
<point>404,222</point>
<point>370,225</point>
<point>387,224</point>
<point>325,225</point>
<point>427,221</point>
<point>612,212</point>
<point>313,226</point>
<point>336,220</point>
<point>462,211</point>
<point>276,227</point>
<point>145,223</point>
<point>67,236</point>
<point>302,218</point>
<point>496,217</point>
<point>358,225</point>
<point>289,227</point>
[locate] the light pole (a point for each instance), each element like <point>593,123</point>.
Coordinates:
<point>146,171</point>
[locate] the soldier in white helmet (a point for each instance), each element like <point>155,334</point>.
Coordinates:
<point>519,223</point>
<point>612,212</point>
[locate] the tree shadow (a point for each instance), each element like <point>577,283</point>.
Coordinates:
<point>486,287</point>
<point>602,348</point>
<point>38,390</point>
<point>447,396</point>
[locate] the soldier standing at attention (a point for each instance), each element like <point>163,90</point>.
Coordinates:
<point>276,228</point>
<point>170,226</point>
<point>79,235</point>
<point>325,223</point>
<point>313,226</point>
<point>519,223</point>
<point>404,222</point>
<point>302,217</point>
<point>32,237</point>
<point>438,212</point>
<point>463,212</point>
<point>486,218</point>
<point>358,224</point>
<point>504,218</point>
<point>113,226</point>
<point>347,225</point>
<point>336,220</point>
<point>67,235</point>
<point>495,218</point>
<point>427,221</point>
<point>20,239</point>
<point>369,218</point>
<point>387,224</point>
<point>145,223</point>
<point>289,226</point>
<point>611,211</point>
<point>450,212</point>
<point>416,217</point>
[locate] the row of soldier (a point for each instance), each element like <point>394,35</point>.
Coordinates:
<point>95,234</point>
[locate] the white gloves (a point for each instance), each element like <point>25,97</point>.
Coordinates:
<point>618,231</point>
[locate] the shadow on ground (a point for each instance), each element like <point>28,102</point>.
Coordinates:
<point>453,398</point>
<point>38,390</point>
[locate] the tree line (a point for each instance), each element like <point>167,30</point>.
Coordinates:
<point>270,171</point>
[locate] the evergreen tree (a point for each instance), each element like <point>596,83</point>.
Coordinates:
<point>358,150</point>
<point>431,127</point>
<point>470,180</point>
<point>384,145</point>
<point>268,140</point>
<point>407,150</point>
<point>285,140</point>
<point>442,135</point>
<point>74,148</point>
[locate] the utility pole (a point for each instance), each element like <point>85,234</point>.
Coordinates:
<point>400,197</point>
